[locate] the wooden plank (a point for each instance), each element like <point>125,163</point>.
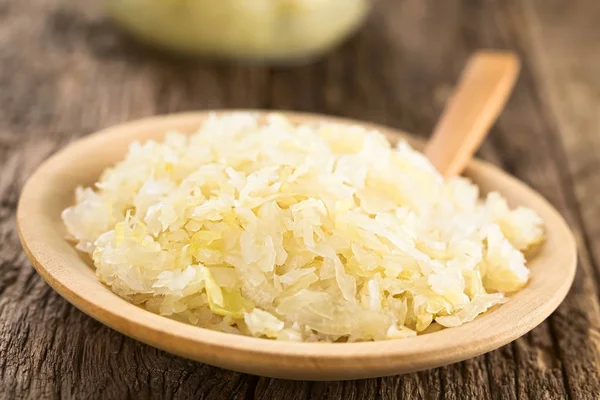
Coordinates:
<point>559,37</point>
<point>69,83</point>
<point>489,26</point>
<point>65,73</point>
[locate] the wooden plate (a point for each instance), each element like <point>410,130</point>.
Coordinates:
<point>71,274</point>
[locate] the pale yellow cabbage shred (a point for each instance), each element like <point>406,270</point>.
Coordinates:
<point>299,232</point>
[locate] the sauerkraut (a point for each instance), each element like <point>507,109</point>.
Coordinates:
<point>271,30</point>
<point>303,232</point>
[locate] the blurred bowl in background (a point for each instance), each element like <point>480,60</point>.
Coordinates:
<point>278,31</point>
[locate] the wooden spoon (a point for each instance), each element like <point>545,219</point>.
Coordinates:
<point>477,101</point>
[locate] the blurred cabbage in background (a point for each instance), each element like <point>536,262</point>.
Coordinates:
<point>258,30</point>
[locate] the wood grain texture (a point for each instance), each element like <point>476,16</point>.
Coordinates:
<point>65,72</point>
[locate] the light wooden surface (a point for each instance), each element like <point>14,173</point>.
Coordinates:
<point>66,72</point>
<point>472,108</point>
<point>50,190</point>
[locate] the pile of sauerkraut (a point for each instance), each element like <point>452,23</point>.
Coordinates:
<point>299,232</point>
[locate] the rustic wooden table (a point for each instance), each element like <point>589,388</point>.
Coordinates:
<point>66,72</point>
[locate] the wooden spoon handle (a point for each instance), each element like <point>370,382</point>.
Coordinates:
<point>481,93</point>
